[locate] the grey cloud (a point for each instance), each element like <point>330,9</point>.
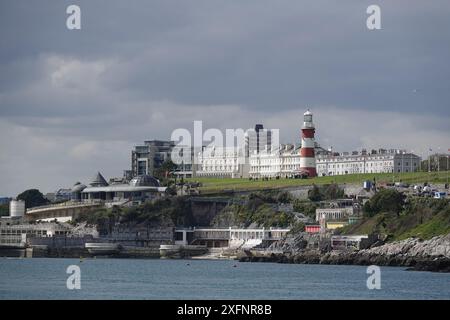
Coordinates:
<point>139,69</point>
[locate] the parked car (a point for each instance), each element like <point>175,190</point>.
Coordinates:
<point>440,195</point>
<point>401,185</point>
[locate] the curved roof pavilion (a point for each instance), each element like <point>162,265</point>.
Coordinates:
<point>138,186</point>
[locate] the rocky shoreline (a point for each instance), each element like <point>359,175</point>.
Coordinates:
<point>415,254</point>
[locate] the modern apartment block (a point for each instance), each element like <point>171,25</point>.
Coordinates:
<point>147,158</point>
<point>258,140</point>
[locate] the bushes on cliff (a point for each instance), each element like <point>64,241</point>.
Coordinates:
<point>314,194</point>
<point>245,215</point>
<point>174,211</point>
<point>325,192</point>
<point>105,219</point>
<point>297,227</point>
<point>271,196</point>
<point>424,217</point>
<point>386,200</point>
<point>420,217</point>
<point>307,207</point>
<point>166,211</point>
<point>266,217</point>
<point>332,192</point>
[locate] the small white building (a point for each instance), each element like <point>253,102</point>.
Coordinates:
<point>334,214</point>
<point>355,242</point>
<point>14,232</point>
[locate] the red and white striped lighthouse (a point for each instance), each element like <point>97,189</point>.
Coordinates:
<point>307,154</point>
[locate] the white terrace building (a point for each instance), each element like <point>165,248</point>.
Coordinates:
<point>381,161</point>
<point>284,162</point>
<point>222,162</point>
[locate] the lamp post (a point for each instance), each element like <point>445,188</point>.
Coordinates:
<point>328,160</point>
<point>439,159</point>
<point>403,167</point>
<point>447,166</point>
<point>429,162</point>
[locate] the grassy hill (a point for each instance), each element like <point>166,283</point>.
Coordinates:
<point>421,217</point>
<point>213,185</point>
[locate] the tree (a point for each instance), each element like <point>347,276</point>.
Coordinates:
<point>171,190</point>
<point>386,200</point>
<point>306,207</point>
<point>297,227</point>
<point>4,210</point>
<point>32,198</point>
<point>326,192</point>
<point>314,194</point>
<point>284,197</point>
<point>164,171</point>
<point>333,191</point>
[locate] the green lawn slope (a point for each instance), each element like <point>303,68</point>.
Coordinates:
<point>217,185</point>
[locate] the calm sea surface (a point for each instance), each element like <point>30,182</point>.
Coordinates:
<point>202,279</point>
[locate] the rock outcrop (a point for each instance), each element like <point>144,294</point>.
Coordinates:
<point>414,247</point>
<point>428,255</point>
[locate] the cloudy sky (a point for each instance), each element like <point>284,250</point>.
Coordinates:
<point>74,102</point>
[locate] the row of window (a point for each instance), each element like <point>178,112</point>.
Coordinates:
<point>13,232</point>
<point>368,158</point>
<point>274,168</point>
<point>267,162</point>
<point>355,165</point>
<point>337,173</point>
<point>7,232</point>
<point>10,241</point>
<point>221,168</point>
<point>377,164</point>
<point>216,162</point>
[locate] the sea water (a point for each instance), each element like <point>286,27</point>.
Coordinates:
<point>41,278</point>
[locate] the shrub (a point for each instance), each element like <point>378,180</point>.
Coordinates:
<point>308,208</point>
<point>325,192</point>
<point>386,200</point>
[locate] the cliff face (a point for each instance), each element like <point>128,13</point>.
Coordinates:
<point>413,247</point>
<point>429,255</point>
